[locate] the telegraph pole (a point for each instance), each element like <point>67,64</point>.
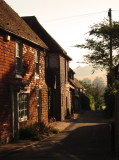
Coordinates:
<point>110,23</point>
<point>110,16</point>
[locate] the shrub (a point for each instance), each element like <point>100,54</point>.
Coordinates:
<point>28,132</point>
<point>109,97</point>
<point>54,130</point>
<point>37,131</point>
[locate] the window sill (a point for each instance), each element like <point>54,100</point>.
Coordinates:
<point>36,76</point>
<point>18,76</point>
<point>23,119</point>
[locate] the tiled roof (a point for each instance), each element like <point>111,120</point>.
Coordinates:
<point>44,35</point>
<point>11,22</point>
<point>71,70</point>
<point>76,83</point>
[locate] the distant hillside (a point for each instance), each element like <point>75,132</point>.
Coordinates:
<point>86,72</point>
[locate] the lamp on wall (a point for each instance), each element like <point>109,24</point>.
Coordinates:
<point>7,37</point>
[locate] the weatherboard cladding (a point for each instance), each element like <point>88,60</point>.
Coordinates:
<point>11,22</point>
<point>45,36</point>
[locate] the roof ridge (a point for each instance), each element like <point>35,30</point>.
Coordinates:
<point>33,22</point>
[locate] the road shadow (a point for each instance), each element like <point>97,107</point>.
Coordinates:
<point>86,139</point>
<point>93,117</point>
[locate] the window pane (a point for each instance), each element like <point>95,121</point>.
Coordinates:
<point>23,106</point>
<point>18,57</point>
<point>37,62</point>
<point>25,97</point>
<point>25,112</point>
<point>37,68</point>
<point>36,57</point>
<point>20,98</point>
<point>19,114</point>
<point>22,114</point>
<point>17,50</point>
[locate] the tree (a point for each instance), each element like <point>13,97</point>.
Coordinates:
<point>87,84</point>
<point>98,45</point>
<point>99,84</point>
<point>94,91</point>
<point>98,93</point>
<point>103,46</point>
<point>87,98</point>
<point>86,81</point>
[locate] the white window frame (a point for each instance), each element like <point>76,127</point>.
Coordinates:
<point>18,58</point>
<point>37,63</point>
<point>22,107</point>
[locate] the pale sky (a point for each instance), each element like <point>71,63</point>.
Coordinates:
<point>67,21</point>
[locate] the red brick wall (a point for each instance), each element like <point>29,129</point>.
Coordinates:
<point>7,77</point>
<point>35,82</point>
<point>6,73</point>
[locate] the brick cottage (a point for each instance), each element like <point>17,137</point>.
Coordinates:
<point>23,91</point>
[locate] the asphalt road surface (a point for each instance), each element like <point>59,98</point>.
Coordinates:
<point>88,138</point>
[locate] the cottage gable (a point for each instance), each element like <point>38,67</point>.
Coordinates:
<point>14,24</point>
<point>45,36</point>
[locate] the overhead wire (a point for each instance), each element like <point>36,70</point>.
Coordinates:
<point>75,16</point>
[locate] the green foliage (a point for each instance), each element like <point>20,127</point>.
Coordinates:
<point>92,102</point>
<point>87,84</point>
<point>99,103</point>
<point>102,37</point>
<point>98,44</point>
<point>109,97</point>
<point>99,89</point>
<point>94,92</point>
<point>37,131</point>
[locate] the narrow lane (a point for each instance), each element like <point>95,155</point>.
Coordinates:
<point>87,139</point>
